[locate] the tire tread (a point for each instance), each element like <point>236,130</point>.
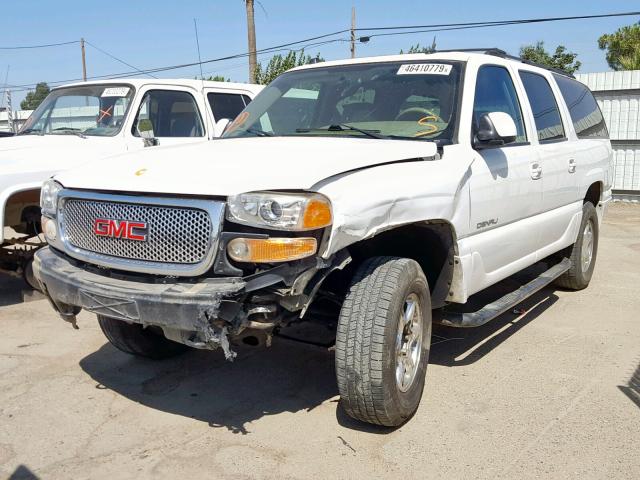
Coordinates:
<point>361,336</point>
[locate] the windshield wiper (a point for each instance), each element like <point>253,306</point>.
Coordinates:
<point>75,131</point>
<point>27,131</point>
<point>342,127</point>
<point>259,133</point>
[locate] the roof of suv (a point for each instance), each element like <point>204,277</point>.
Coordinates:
<point>189,82</point>
<point>491,55</point>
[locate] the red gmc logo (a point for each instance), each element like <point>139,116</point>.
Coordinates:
<point>104,227</point>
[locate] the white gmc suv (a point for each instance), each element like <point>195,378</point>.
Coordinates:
<point>389,187</point>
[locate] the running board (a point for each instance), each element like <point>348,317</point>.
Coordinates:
<point>492,310</point>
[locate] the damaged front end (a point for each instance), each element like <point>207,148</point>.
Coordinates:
<point>207,313</point>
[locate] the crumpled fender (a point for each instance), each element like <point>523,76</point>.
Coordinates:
<point>369,201</point>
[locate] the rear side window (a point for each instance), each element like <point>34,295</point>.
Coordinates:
<point>495,92</point>
<point>227,105</point>
<point>585,114</point>
<point>544,107</point>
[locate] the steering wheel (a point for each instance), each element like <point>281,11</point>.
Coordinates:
<point>423,112</point>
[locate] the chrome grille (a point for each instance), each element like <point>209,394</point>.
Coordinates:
<point>175,235</point>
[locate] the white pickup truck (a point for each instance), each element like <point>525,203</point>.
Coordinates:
<point>90,121</point>
<point>390,187</point>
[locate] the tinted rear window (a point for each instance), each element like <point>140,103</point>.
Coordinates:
<point>585,114</point>
<point>544,107</point>
<point>227,105</point>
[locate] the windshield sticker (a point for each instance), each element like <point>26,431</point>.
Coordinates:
<point>425,69</point>
<point>115,92</point>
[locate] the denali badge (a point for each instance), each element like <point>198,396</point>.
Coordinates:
<point>487,223</point>
<point>105,227</point>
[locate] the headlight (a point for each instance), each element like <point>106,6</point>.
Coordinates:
<point>280,211</point>
<point>49,197</point>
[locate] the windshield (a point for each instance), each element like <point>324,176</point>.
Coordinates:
<point>408,100</point>
<point>97,110</point>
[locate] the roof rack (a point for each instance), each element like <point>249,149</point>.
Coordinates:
<point>497,52</point>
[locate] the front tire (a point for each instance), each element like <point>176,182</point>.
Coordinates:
<point>383,341</point>
<point>583,253</point>
<point>134,339</point>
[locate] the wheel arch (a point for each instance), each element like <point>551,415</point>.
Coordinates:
<point>28,193</point>
<point>431,243</point>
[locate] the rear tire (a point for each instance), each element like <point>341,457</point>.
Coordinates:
<point>134,339</point>
<point>383,341</point>
<point>582,253</point>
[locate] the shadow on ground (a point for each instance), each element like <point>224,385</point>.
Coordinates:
<point>453,347</point>
<point>632,388</point>
<point>288,377</point>
<point>12,290</point>
<point>23,473</point>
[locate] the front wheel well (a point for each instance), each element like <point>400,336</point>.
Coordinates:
<point>431,244</point>
<point>22,211</point>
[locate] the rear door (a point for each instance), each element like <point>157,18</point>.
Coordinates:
<point>505,189</point>
<point>555,150</point>
<point>590,138</point>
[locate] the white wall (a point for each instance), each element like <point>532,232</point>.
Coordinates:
<point>618,94</point>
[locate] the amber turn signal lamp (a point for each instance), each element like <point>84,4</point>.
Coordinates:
<point>317,214</point>
<point>271,250</point>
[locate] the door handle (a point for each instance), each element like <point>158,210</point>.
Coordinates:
<point>536,171</point>
<point>572,166</point>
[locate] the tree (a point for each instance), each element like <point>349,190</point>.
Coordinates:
<point>279,64</point>
<point>417,48</point>
<point>217,78</point>
<point>35,98</point>
<point>561,59</point>
<point>623,47</point>
<point>251,37</point>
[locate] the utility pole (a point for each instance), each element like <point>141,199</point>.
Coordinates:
<point>84,61</point>
<point>353,32</point>
<point>9,112</point>
<point>251,37</point>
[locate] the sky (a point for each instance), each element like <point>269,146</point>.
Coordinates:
<point>155,33</point>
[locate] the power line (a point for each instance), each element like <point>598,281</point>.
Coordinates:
<point>185,65</point>
<point>27,86</point>
<point>24,47</point>
<point>276,48</point>
<point>500,22</point>
<point>495,23</point>
<point>116,58</point>
<point>430,30</point>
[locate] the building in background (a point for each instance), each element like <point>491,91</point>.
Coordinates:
<point>19,117</point>
<point>618,94</point>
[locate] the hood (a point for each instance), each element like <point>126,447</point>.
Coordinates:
<point>229,166</point>
<point>50,153</point>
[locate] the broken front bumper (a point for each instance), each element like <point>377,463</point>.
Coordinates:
<point>191,308</point>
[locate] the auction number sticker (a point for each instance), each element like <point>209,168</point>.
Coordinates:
<point>425,69</point>
<point>115,92</point>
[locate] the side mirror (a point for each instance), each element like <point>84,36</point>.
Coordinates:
<point>144,128</point>
<point>220,126</point>
<point>495,129</point>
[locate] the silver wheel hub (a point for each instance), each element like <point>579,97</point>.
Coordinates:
<point>408,343</point>
<point>586,254</point>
